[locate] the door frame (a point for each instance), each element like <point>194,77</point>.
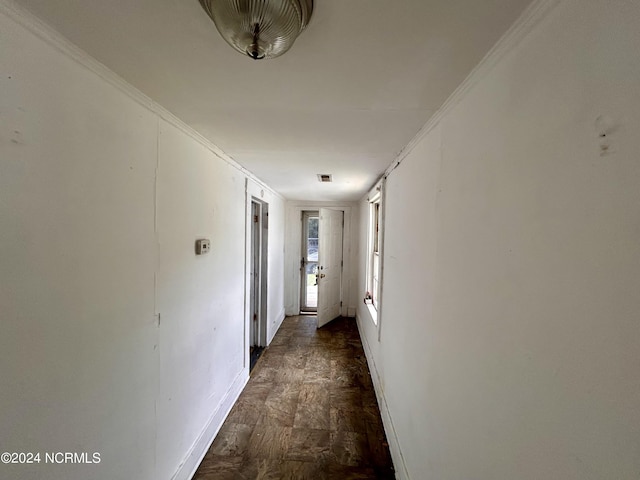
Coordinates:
<point>306,214</point>
<point>257,239</point>
<point>294,252</point>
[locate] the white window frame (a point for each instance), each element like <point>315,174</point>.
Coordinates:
<point>374,254</point>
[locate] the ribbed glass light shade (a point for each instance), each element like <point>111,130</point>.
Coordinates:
<point>259,28</point>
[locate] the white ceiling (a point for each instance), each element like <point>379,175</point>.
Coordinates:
<point>357,85</point>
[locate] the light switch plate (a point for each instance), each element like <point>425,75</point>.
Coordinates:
<point>203,246</point>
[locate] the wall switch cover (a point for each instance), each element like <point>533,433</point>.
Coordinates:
<point>203,246</point>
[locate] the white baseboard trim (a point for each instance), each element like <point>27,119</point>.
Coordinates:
<point>392,438</point>
<point>272,331</point>
<point>199,449</point>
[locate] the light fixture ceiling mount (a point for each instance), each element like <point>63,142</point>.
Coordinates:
<point>259,28</point>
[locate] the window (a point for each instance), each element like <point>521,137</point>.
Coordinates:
<point>374,254</point>
<point>375,251</point>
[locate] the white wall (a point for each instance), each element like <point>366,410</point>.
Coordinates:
<point>509,333</point>
<point>114,337</point>
<point>293,253</point>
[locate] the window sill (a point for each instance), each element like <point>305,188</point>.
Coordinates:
<point>373,312</point>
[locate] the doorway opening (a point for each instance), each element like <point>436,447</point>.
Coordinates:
<point>258,280</point>
<point>309,262</point>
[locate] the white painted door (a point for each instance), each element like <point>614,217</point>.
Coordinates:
<point>329,265</point>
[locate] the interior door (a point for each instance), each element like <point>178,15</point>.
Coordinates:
<point>330,265</point>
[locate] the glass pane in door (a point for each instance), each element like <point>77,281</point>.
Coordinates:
<point>310,260</point>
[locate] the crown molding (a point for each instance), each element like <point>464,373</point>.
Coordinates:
<point>55,39</point>
<point>528,20</point>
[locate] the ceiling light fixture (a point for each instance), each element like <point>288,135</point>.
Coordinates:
<point>259,28</point>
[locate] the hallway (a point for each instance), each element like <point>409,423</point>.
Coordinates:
<point>309,411</point>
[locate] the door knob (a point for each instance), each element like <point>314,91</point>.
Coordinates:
<point>322,275</point>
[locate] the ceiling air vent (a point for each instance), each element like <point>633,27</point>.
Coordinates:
<point>324,177</point>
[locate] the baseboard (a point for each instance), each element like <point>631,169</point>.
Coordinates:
<point>392,438</point>
<point>272,331</point>
<point>197,452</point>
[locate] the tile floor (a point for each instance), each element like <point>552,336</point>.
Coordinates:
<point>308,412</point>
